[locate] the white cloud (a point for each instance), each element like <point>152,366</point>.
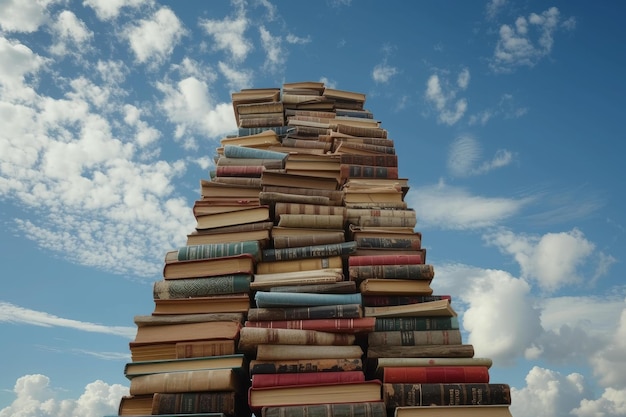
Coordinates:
<point>110,9</point>
<point>189,105</point>
<point>454,208</point>
<point>443,97</point>
<point>553,260</point>
<point>236,78</point>
<point>610,362</point>
<point>24,16</point>
<point>17,62</point>
<point>382,73</point>
<point>10,313</point>
<point>35,397</point>
<point>70,33</point>
<point>228,35</point>
<point>494,7</point>
<point>527,41</point>
<point>485,294</point>
<point>611,403</point>
<point>275,54</point>
<point>153,40</point>
<point>293,39</point>
<point>548,393</point>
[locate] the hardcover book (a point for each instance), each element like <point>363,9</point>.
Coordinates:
<point>356,325</point>
<point>283,299</point>
<point>435,374</point>
<point>134,369</point>
<point>299,313</point>
<point>197,268</point>
<point>441,308</point>
<point>362,409</point>
<point>305,378</point>
<point>399,395</point>
<point>453,411</point>
<point>203,403</point>
<point>222,379</point>
<point>305,365</point>
<point>251,337</point>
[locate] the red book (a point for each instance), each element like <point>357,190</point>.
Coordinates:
<point>364,260</point>
<point>239,171</point>
<point>306,378</point>
<point>341,325</point>
<point>436,374</point>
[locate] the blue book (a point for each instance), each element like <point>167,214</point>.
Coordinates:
<point>285,299</point>
<point>234,151</point>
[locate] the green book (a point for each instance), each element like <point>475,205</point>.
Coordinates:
<point>218,250</point>
<point>201,287</point>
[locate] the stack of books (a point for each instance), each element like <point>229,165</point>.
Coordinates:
<point>304,287</point>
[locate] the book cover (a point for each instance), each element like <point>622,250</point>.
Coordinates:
<point>223,379</point>
<point>220,303</point>
<point>339,325</point>
<point>387,286</point>
<point>435,374</point>
<point>197,268</point>
<point>185,332</point>
<point>284,299</point>
<point>398,395</point>
<point>313,251</point>
<point>280,366</point>
<point>416,323</point>
<point>218,250</point>
<point>414,337</point>
<point>134,369</point>
<point>412,272</point>
<point>386,259</point>
<point>305,378</point>
<point>351,409</point>
<point>200,287</point>
<point>268,267</point>
<point>299,313</point>
<point>251,337</point>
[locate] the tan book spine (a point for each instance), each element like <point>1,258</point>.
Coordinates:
<point>186,381</point>
<point>294,352</point>
<point>314,221</point>
<point>251,337</point>
<point>204,348</point>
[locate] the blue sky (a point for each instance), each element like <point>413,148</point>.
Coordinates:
<point>508,117</point>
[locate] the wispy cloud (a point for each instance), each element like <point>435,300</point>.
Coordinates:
<point>10,313</point>
<point>528,40</point>
<point>464,158</point>
<point>442,95</point>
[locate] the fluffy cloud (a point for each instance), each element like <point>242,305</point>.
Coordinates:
<point>382,73</point>
<point>228,35</point>
<point>69,32</point>
<point>24,16</point>
<point>153,40</point>
<point>442,97</point>
<point>35,397</point>
<point>109,9</point>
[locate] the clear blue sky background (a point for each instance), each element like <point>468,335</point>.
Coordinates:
<point>508,117</point>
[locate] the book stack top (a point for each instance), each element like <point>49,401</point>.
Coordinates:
<point>304,286</point>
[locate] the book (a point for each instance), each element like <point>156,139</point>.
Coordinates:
<point>197,268</point>
<point>204,348</point>
<point>285,237</point>
<point>284,299</point>
<point>301,313</point>
<point>301,181</point>
<point>222,205</point>
<point>311,251</point>
<point>442,351</point>
<point>304,264</point>
<point>186,332</point>
<point>313,394</point>
<point>231,218</point>
<point>363,409</point>
<point>203,403</point>
<point>397,242</point>
<point>132,405</point>
<point>222,379</point>
<point>219,303</point>
<point>414,337</point>
<point>305,378</point>
<point>244,171</point>
<point>300,352</point>
<point>297,208</point>
<point>425,309</point>
<point>305,365</point>
<point>435,374</point>
<point>338,325</point>
<point>311,221</point>
<point>453,411</point>
<point>412,272</point>
<point>416,323</point>
<point>251,337</point>
<point>213,189</point>
<point>341,287</point>
<point>266,163</point>
<point>134,369</point>
<point>376,366</point>
<point>384,160</point>
<point>235,151</point>
<point>259,231</point>
<point>200,287</point>
<point>152,320</point>
<point>313,276</point>
<point>219,250</point>
<point>386,286</point>
<point>395,300</point>
<point>385,259</point>
<point>399,395</point>
<point>367,171</point>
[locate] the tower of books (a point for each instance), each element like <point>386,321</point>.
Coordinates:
<point>304,289</point>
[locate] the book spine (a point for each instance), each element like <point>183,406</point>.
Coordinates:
<point>414,338</point>
<point>194,402</point>
<point>371,160</point>
<point>305,365</point>
<point>386,260</point>
<point>313,221</point>
<point>367,171</point>
<point>436,374</point>
<point>416,323</point>
<point>218,250</point>
<point>305,378</point>
<point>415,272</point>
<point>253,122</point>
<point>396,300</point>
<point>280,130</point>
<point>369,409</point>
<point>283,299</point>
<point>204,348</point>
<point>184,381</point>
<point>386,221</point>
<point>250,337</point>
<point>272,197</point>
<point>373,132</point>
<point>295,208</point>
<point>299,265</point>
<point>314,251</point>
<point>303,313</point>
<point>421,351</point>
<point>201,287</point>
<point>234,151</point>
<point>308,239</point>
<point>399,395</point>
<point>298,352</point>
<point>410,243</point>
<point>363,324</point>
